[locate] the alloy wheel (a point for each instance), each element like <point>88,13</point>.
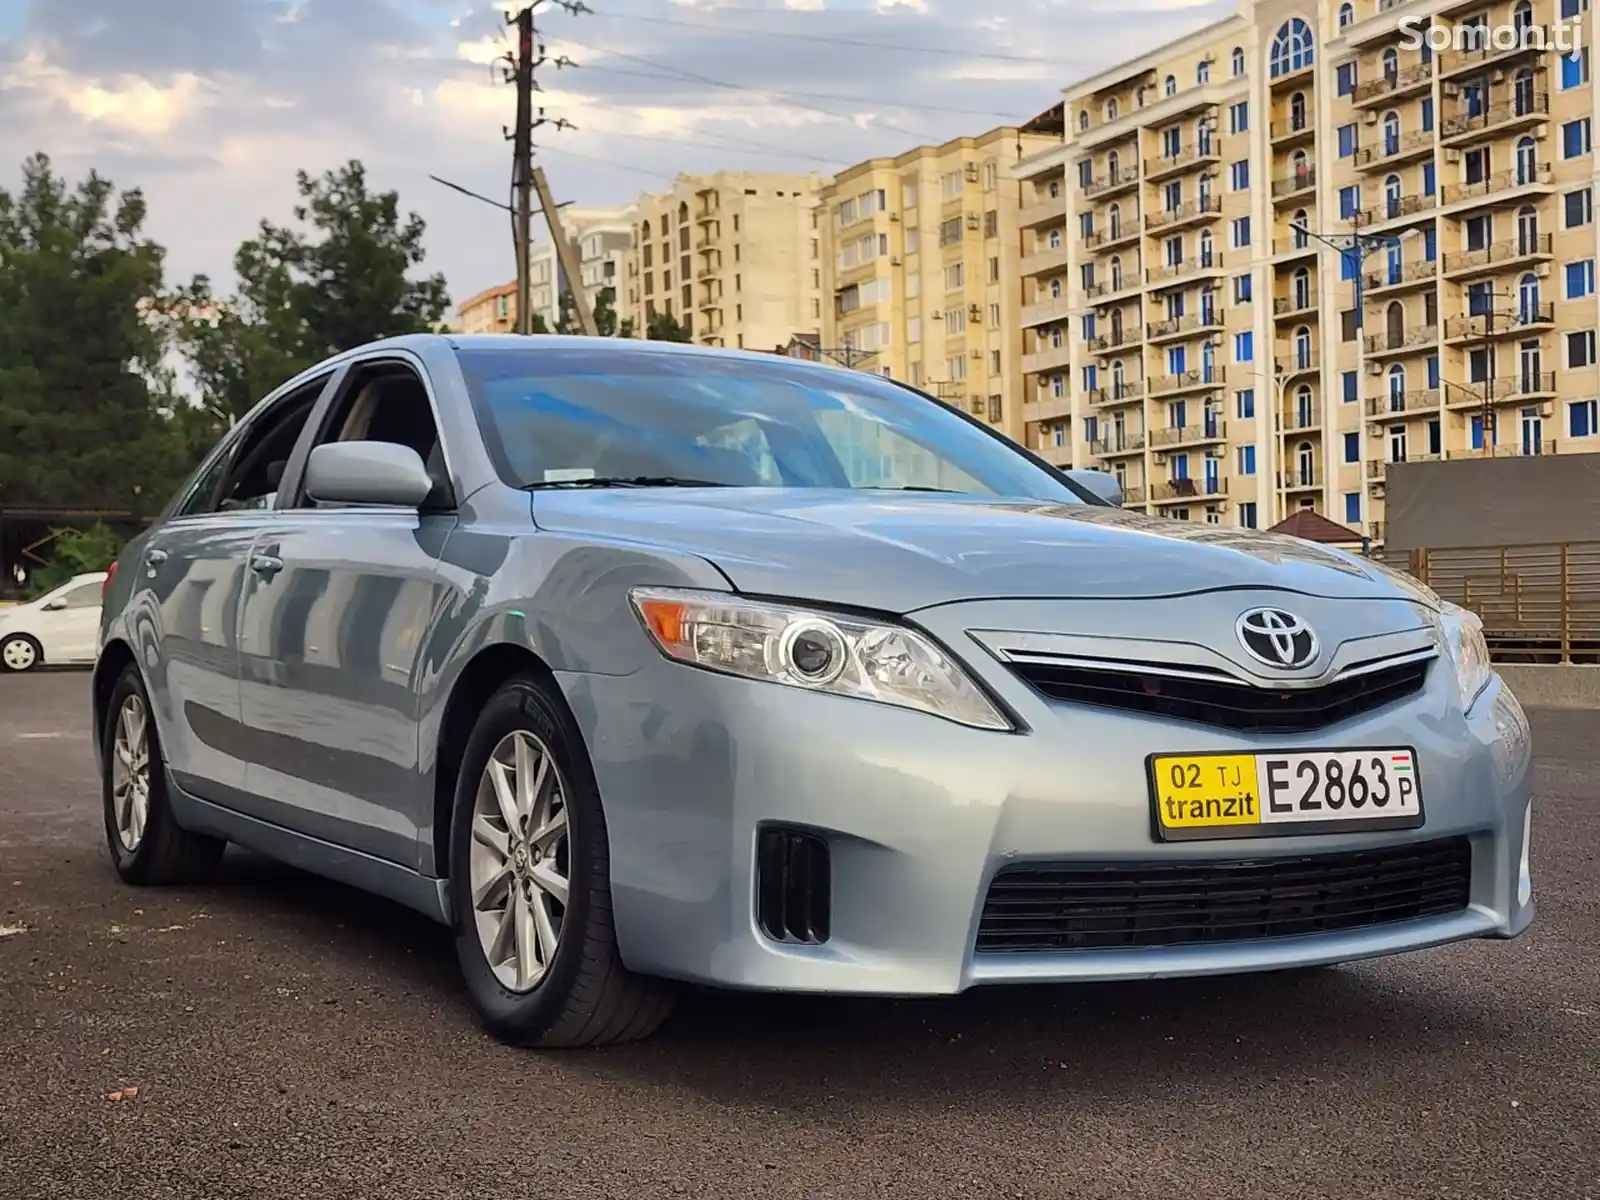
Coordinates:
<point>18,654</point>
<point>130,772</point>
<point>519,860</point>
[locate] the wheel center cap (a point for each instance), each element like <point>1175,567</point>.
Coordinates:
<point>519,858</point>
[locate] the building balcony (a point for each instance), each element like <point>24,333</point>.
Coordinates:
<point>1290,80</point>
<point>1135,496</point>
<point>1045,262</point>
<point>1048,359</point>
<point>1399,404</point>
<point>1391,151</point>
<point>1045,311</point>
<point>1294,245</point>
<point>1386,88</point>
<point>1047,408</point>
<point>1177,491</point>
<point>1394,278</point>
<point>1116,339</point>
<point>1294,184</point>
<point>1532,43</point>
<point>1519,387</point>
<point>1286,132</point>
<point>1171,437</point>
<point>1117,393</point>
<point>1111,290</point>
<point>1501,189</point>
<point>1188,213</point>
<point>1186,159</point>
<point>1187,325</point>
<point>1395,342</point>
<point>1395,210</point>
<point>1045,212</point>
<point>1488,260</point>
<point>1170,274</point>
<point>1505,117</point>
<point>1302,418</point>
<point>1298,363</point>
<point>1508,323</point>
<point>1118,446</point>
<point>1110,184</point>
<point>1286,307</point>
<point>1378,468</point>
<point>1300,479</point>
<point>1506,450</point>
<point>1105,239</point>
<point>1199,379</point>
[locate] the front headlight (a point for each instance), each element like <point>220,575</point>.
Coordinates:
<point>1463,637</point>
<point>820,652</point>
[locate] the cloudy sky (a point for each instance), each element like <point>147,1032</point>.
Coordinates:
<point>211,105</point>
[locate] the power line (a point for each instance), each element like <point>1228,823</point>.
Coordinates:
<point>906,104</point>
<point>749,147</point>
<point>721,27</point>
<point>609,162</point>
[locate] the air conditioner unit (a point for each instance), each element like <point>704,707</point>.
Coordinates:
<point>1371,118</point>
<point>1541,270</point>
<point>972,172</point>
<point>972,220</point>
<point>1451,90</point>
<point>1215,453</point>
<point>1542,131</point>
<point>894,260</point>
<point>1159,458</point>
<point>937,315</point>
<point>894,217</point>
<point>1547,409</point>
<point>1497,76</point>
<point>1374,368</point>
<point>977,354</point>
<point>1452,156</point>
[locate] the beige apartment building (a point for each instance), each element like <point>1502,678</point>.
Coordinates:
<point>920,255</point>
<point>735,257</point>
<point>1274,257</point>
<point>493,310</point>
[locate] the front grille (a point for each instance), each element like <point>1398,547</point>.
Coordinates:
<point>1224,702</point>
<point>793,885</point>
<point>1115,906</point>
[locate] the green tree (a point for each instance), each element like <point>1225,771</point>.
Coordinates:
<point>75,552</point>
<point>664,327</point>
<point>80,287</point>
<point>338,279</point>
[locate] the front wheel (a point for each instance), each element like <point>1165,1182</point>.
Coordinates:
<point>530,884</point>
<point>19,652</point>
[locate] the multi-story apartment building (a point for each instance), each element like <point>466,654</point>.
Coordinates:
<point>601,237</point>
<point>604,239</point>
<point>493,310</point>
<point>1315,239</point>
<point>735,257</point>
<point>920,256</point>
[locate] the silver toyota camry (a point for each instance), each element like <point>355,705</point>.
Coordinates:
<point>638,663</point>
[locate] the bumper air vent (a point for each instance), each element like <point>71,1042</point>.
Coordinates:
<point>792,885</point>
<point>1115,906</point>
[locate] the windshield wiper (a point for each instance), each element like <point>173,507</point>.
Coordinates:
<point>916,487</point>
<point>620,481</point>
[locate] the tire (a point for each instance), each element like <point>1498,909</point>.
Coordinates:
<point>581,995</point>
<point>19,652</point>
<point>158,852</point>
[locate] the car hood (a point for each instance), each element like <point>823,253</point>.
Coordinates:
<point>900,553</point>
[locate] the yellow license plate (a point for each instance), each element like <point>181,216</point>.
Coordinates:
<point>1225,795</point>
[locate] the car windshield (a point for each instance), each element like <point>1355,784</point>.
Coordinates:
<point>563,416</point>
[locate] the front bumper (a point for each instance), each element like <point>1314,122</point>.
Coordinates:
<point>920,814</point>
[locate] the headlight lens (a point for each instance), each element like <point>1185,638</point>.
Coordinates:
<point>845,656</point>
<point>1463,636</point>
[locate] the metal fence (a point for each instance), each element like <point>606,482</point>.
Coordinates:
<point>1539,603</point>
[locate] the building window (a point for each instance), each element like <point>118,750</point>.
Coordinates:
<point>1575,138</point>
<point>1236,61</point>
<point>1347,140</point>
<point>1239,117</point>
<point>1580,279</point>
<point>1352,508</point>
<point>1352,447</point>
<point>1240,174</point>
<point>1247,514</point>
<point>1241,289</point>
<point>1244,403</point>
<point>1575,69</point>
<point>1202,72</point>
<point>1579,207</point>
<point>1241,232</point>
<point>1247,460</point>
<point>1243,346</point>
<point>1293,48</point>
<point>1347,14</point>
<point>1583,418</point>
<point>1580,348</point>
<point>1345,78</point>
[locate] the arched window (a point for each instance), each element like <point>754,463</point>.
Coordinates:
<point>1300,223</point>
<point>1297,111</point>
<point>1293,48</point>
<point>1395,324</point>
<point>1236,61</point>
<point>1300,169</point>
<point>1391,133</point>
<point>645,233</point>
<point>1111,109</point>
<point>1113,166</point>
<point>1391,196</point>
<point>1528,299</point>
<point>1391,63</point>
<point>1347,14</point>
<point>683,213</point>
<point>1301,292</point>
<point>1305,415</point>
<point>1055,289</point>
<point>1521,16</point>
<point>1116,274</point>
<point>1302,349</point>
<point>1114,216</point>
<point>1306,464</point>
<point>1397,388</point>
<point>1055,239</point>
<point>1527,161</point>
<point>1205,248</point>
<point>1170,86</point>
<point>1202,72</point>
<point>1522,92</point>
<point>1527,230</point>
<point>1083,120</point>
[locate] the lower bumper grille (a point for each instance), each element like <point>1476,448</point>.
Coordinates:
<point>793,885</point>
<point>1226,703</point>
<point>1103,906</point>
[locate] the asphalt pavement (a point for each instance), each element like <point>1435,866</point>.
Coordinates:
<point>274,1036</point>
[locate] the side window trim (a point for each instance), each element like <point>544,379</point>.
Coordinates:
<point>318,429</point>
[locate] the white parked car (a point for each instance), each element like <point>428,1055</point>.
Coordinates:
<point>62,626</point>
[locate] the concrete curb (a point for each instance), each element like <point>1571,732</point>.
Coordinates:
<point>1553,686</point>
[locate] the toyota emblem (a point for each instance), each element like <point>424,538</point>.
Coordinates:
<point>1277,638</point>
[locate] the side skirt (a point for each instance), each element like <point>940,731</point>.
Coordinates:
<point>401,884</point>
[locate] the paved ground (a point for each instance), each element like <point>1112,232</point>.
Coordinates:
<point>292,1039</point>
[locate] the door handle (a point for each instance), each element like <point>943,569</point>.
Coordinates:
<point>265,564</point>
<point>154,558</point>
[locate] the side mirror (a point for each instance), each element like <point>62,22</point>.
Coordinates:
<point>367,473</point>
<point>1101,484</point>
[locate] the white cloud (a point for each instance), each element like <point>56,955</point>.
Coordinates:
<point>127,102</point>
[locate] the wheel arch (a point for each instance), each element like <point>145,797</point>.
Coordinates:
<point>116,656</point>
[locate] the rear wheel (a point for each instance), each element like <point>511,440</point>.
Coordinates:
<point>19,652</point>
<point>147,845</point>
<point>530,884</point>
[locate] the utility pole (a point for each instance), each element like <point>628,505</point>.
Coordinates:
<point>526,179</point>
